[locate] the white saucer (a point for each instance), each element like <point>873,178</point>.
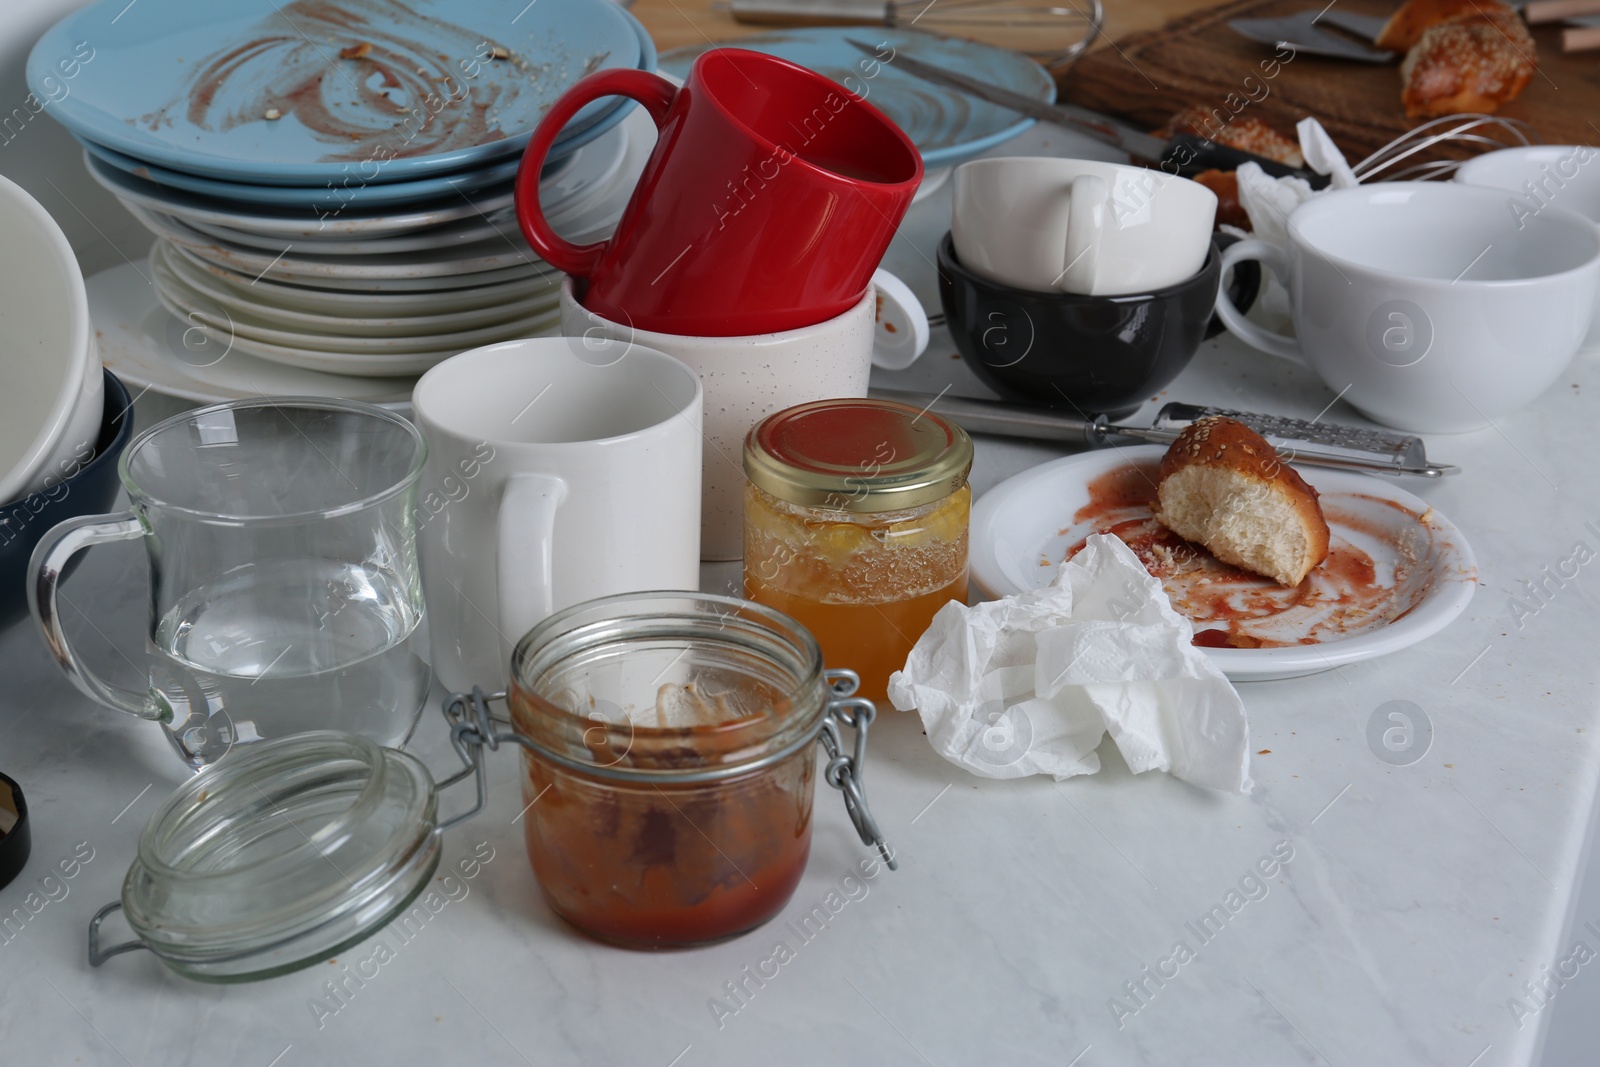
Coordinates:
<point>206,291</point>
<point>147,348</point>
<point>1424,572</point>
<point>380,270</point>
<point>381,304</point>
<point>226,322</point>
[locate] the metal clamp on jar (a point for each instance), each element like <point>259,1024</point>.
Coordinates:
<point>669,757</point>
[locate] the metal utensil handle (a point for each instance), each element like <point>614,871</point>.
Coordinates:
<point>808,12</point>
<point>1376,451</point>
<point>1002,419</point>
<point>1400,450</point>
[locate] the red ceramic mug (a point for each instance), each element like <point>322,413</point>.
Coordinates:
<point>768,201</point>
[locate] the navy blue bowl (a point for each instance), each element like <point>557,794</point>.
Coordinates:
<point>90,491</point>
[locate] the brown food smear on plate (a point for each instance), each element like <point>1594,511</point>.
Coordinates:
<point>1230,607</point>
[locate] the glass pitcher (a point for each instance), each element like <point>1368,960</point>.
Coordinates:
<point>285,593</point>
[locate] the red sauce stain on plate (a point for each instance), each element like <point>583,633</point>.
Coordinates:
<point>1348,593</point>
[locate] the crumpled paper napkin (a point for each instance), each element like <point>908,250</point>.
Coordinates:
<point>1031,683</point>
<point>1270,201</point>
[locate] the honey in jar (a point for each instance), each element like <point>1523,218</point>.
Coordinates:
<point>855,525</point>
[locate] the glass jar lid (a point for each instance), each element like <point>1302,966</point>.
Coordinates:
<point>857,455</point>
<point>281,856</point>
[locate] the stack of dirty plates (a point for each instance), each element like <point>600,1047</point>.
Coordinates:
<point>330,180</point>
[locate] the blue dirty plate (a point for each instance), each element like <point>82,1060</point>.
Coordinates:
<point>377,89</point>
<point>946,125</point>
<point>332,195</point>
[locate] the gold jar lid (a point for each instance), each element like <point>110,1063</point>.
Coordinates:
<point>857,455</point>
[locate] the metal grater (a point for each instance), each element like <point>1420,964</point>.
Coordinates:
<point>1319,444</point>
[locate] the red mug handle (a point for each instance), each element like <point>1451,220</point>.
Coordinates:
<point>650,90</point>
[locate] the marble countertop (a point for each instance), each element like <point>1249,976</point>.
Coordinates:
<point>1104,920</point>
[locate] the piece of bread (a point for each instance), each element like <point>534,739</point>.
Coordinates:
<point>1225,183</point>
<point>1467,65</point>
<point>1244,132</point>
<point>1223,486</point>
<point>1405,26</point>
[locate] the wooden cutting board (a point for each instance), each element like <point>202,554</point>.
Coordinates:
<point>1197,59</point>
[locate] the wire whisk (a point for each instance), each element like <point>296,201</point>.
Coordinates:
<point>1053,32</point>
<point>1487,133</point>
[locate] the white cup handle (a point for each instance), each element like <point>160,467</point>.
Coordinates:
<point>1087,208</point>
<point>900,325</point>
<point>524,558</point>
<point>1271,256</point>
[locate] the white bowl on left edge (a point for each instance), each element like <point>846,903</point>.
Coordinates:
<point>53,394</point>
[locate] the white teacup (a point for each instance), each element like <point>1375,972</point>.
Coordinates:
<point>552,477</point>
<point>746,379</point>
<point>1539,176</point>
<point>1079,226</point>
<point>1427,305</point>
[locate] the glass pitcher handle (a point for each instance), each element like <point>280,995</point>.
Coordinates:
<point>49,559</point>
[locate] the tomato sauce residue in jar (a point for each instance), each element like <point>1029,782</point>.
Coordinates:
<point>660,865</point>
<point>1231,607</point>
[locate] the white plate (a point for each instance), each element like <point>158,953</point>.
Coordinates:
<point>432,266</point>
<point>147,348</point>
<point>165,261</point>
<point>601,207</point>
<point>227,323</point>
<point>451,235</point>
<point>381,304</point>
<point>1423,573</point>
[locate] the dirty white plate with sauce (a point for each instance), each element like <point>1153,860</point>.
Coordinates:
<point>1397,571</point>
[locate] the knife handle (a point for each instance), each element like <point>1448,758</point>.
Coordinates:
<point>1004,420</point>
<point>807,12</point>
<point>1190,154</point>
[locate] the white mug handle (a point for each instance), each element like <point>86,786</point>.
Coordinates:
<point>1270,255</point>
<point>524,558</point>
<point>900,325</point>
<point>1087,207</point>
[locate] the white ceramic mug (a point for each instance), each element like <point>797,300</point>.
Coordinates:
<point>1079,226</point>
<point>1427,305</point>
<point>1535,177</point>
<point>745,379</point>
<point>553,476</point>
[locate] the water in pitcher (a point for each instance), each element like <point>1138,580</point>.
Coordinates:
<point>281,647</point>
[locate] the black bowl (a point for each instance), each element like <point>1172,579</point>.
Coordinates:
<point>91,490</point>
<point>1102,355</point>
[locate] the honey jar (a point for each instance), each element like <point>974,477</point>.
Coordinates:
<point>855,525</point>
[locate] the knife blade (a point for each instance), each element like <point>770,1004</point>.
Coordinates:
<point>1185,153</point>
